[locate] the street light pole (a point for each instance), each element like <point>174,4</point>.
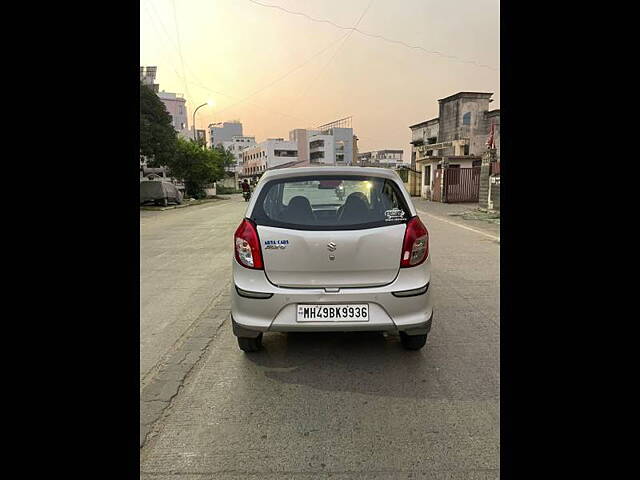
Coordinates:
<point>194,120</point>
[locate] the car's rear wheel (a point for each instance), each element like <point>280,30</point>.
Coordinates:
<point>413,342</point>
<point>250,344</point>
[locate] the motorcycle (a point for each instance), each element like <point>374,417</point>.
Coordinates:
<point>246,195</point>
<point>340,192</point>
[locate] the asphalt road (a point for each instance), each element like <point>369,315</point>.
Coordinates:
<point>314,405</point>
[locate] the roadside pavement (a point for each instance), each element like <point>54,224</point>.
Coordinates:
<point>450,213</point>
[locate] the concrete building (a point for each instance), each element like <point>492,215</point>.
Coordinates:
<point>322,149</point>
<point>273,152</point>
<point>381,158</point>
<point>175,103</point>
<point>456,138</point>
<point>301,137</point>
<point>424,133</point>
<point>343,145</point>
<point>236,146</point>
<point>148,77</point>
<point>354,158</point>
<point>333,146</point>
<point>224,132</point>
<point>330,144</point>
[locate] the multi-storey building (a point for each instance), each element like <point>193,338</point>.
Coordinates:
<point>381,158</point>
<point>224,132</point>
<point>457,136</point>
<point>330,144</point>
<point>175,103</point>
<point>273,152</point>
<point>236,146</point>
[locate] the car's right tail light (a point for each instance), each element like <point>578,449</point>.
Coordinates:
<point>415,248</point>
<point>247,245</point>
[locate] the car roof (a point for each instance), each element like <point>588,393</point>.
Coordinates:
<point>330,170</point>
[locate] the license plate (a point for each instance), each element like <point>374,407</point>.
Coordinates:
<point>333,313</point>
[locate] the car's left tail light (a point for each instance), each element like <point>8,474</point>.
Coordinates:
<point>415,248</point>
<point>247,245</point>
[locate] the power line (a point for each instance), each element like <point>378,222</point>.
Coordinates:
<point>157,31</point>
<point>209,89</point>
<point>200,84</point>
<point>175,21</point>
<point>197,83</point>
<point>373,35</point>
<point>172,41</point>
<point>344,40</point>
<point>282,77</point>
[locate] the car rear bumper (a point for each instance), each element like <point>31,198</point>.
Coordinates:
<point>276,311</point>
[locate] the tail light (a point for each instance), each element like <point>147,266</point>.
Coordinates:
<point>415,248</point>
<point>247,245</point>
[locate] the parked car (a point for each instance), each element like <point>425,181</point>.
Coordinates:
<point>306,261</point>
<point>159,193</point>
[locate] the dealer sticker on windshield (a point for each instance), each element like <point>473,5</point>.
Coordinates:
<point>393,215</point>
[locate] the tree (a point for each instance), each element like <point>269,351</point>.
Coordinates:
<point>228,159</point>
<point>157,135</point>
<point>195,165</point>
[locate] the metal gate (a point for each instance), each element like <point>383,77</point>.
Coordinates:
<point>461,185</point>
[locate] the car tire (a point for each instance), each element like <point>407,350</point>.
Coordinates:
<point>250,344</point>
<point>413,342</point>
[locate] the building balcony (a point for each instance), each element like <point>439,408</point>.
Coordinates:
<point>421,150</point>
<point>417,137</point>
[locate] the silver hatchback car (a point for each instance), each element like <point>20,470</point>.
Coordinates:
<point>325,249</point>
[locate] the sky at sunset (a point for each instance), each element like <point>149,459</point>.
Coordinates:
<point>276,71</point>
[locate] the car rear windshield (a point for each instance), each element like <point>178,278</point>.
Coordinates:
<point>330,203</point>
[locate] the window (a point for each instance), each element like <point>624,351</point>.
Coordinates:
<point>285,153</point>
<point>466,119</point>
<point>311,203</point>
<point>466,150</point>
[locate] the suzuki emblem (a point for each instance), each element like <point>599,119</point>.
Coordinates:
<point>331,246</point>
